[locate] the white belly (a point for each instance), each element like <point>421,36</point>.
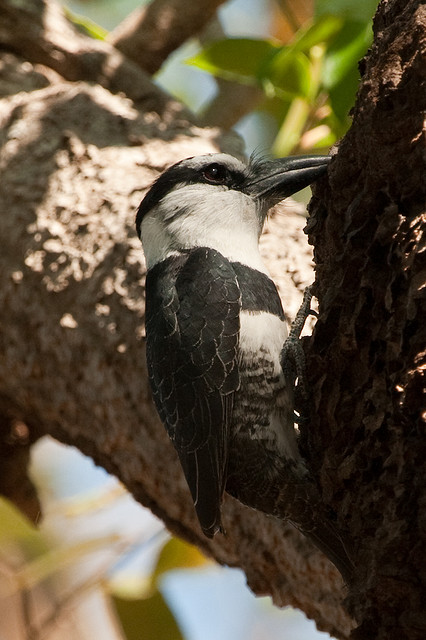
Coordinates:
<point>263,332</point>
<point>262,336</point>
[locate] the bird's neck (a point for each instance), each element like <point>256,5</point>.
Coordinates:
<point>242,248</point>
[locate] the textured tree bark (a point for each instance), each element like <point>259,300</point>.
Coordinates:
<point>367,356</point>
<point>75,162</point>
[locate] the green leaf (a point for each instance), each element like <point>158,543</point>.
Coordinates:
<point>239,59</point>
<point>86,25</point>
<point>149,618</point>
<point>291,128</point>
<point>342,95</point>
<point>360,10</point>
<point>316,33</point>
<point>289,72</point>
<point>345,52</point>
<point>294,68</point>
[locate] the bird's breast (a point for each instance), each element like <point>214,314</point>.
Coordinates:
<point>262,335</point>
<point>263,407</point>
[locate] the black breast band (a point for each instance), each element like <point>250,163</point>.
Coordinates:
<point>258,292</point>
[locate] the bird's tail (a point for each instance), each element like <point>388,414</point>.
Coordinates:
<point>327,539</point>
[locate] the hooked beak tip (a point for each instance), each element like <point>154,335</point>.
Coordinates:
<point>280,178</point>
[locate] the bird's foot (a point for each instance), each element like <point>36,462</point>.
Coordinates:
<point>293,357</point>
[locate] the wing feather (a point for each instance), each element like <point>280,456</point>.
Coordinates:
<point>192,326</point>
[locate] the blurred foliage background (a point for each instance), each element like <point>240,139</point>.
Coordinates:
<point>284,74</point>
<point>307,69</point>
<point>301,55</point>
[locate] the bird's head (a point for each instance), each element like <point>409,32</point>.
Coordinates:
<point>219,202</point>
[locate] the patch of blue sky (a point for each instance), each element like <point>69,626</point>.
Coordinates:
<point>215,603</point>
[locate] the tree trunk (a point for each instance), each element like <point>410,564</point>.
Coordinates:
<point>367,355</point>
<point>75,162</point>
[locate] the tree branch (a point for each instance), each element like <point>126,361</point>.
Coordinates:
<point>232,100</point>
<point>367,357</point>
<point>75,162</point>
<point>72,310</point>
<point>150,34</point>
<point>38,31</point>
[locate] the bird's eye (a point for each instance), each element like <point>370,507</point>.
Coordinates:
<point>215,173</point>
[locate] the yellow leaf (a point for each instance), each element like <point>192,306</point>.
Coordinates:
<point>177,554</point>
<point>149,618</point>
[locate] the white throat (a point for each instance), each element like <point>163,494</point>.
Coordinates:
<point>203,216</point>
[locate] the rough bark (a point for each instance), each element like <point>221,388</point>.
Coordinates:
<point>75,161</point>
<point>73,362</point>
<point>367,356</point>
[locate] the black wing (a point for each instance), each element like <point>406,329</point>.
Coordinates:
<point>192,327</point>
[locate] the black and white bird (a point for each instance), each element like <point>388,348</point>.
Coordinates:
<point>215,331</point>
